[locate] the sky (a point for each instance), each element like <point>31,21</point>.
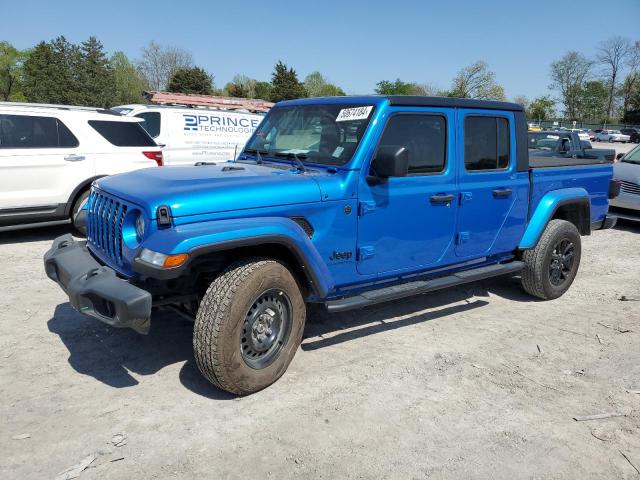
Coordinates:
<point>354,44</point>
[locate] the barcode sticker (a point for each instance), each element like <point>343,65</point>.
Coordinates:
<point>355,113</point>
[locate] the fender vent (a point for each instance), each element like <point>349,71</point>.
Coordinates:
<point>305,225</point>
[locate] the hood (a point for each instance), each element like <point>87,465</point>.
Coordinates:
<point>629,172</point>
<point>192,190</point>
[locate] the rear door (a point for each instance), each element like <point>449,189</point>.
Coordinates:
<point>408,223</point>
<point>493,195</point>
<point>41,161</point>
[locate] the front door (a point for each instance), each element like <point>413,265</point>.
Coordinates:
<point>408,223</point>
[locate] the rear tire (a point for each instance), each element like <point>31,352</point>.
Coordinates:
<point>249,325</point>
<point>552,265</point>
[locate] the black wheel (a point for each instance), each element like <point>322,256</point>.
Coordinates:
<point>552,265</point>
<point>76,208</point>
<point>249,325</point>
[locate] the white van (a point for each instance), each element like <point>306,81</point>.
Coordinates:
<point>50,155</point>
<point>190,135</point>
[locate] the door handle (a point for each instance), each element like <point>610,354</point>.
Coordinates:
<point>445,198</point>
<point>74,158</point>
<point>502,192</point>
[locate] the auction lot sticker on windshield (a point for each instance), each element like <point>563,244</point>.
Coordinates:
<point>355,113</point>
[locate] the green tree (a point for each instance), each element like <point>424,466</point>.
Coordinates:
<point>51,73</point>
<point>262,90</point>
<point>96,76</point>
<point>241,86</point>
<point>191,80</point>
<point>11,72</point>
<point>285,84</point>
<point>477,81</point>
<point>541,108</point>
<point>593,101</point>
<point>128,82</point>
<point>317,86</point>
<point>398,87</point>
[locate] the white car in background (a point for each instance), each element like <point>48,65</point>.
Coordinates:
<point>582,133</point>
<point>50,155</point>
<point>189,135</point>
<point>612,136</point>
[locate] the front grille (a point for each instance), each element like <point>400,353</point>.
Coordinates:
<point>630,187</point>
<point>105,215</point>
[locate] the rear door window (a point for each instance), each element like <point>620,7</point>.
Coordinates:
<point>123,134</point>
<point>151,122</point>
<point>27,131</point>
<point>486,143</point>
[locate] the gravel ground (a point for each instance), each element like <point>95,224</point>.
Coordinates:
<point>475,382</point>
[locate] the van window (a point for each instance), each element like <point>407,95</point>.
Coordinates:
<point>26,131</point>
<point>151,122</point>
<point>486,143</point>
<point>123,134</point>
<point>424,136</point>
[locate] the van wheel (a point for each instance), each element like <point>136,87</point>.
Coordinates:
<point>76,208</point>
<point>249,325</point>
<point>552,265</point>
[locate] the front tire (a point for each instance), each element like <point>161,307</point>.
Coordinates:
<point>552,265</point>
<point>249,325</point>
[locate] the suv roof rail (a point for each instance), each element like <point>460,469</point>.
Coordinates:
<point>211,101</point>
<point>58,107</point>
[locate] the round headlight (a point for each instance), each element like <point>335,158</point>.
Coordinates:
<point>140,226</point>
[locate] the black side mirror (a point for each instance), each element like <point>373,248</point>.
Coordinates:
<point>619,156</point>
<point>390,161</point>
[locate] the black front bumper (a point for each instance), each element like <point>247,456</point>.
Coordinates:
<point>94,289</point>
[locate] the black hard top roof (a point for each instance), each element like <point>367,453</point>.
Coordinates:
<point>420,101</point>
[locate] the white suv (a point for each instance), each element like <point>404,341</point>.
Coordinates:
<point>50,154</point>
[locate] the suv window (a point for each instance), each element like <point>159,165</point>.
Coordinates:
<point>486,143</point>
<point>424,136</point>
<point>151,122</point>
<point>123,134</point>
<point>26,131</point>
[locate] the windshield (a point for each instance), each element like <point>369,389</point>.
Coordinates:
<point>545,141</point>
<point>633,156</point>
<point>327,134</point>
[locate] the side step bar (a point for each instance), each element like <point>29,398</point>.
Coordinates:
<point>409,289</point>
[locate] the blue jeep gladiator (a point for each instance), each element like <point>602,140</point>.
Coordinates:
<point>346,202</point>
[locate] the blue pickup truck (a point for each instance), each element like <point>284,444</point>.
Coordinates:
<point>346,202</point>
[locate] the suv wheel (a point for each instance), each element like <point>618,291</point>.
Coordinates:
<point>552,265</point>
<point>76,208</point>
<point>249,325</point>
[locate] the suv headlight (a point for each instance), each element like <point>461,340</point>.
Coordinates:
<point>140,226</point>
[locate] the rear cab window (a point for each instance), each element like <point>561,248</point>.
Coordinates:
<point>29,131</point>
<point>487,143</point>
<point>123,134</point>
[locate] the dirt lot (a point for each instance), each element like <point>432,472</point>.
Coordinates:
<point>475,382</point>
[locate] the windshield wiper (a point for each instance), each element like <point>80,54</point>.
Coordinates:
<point>258,153</point>
<point>298,163</point>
